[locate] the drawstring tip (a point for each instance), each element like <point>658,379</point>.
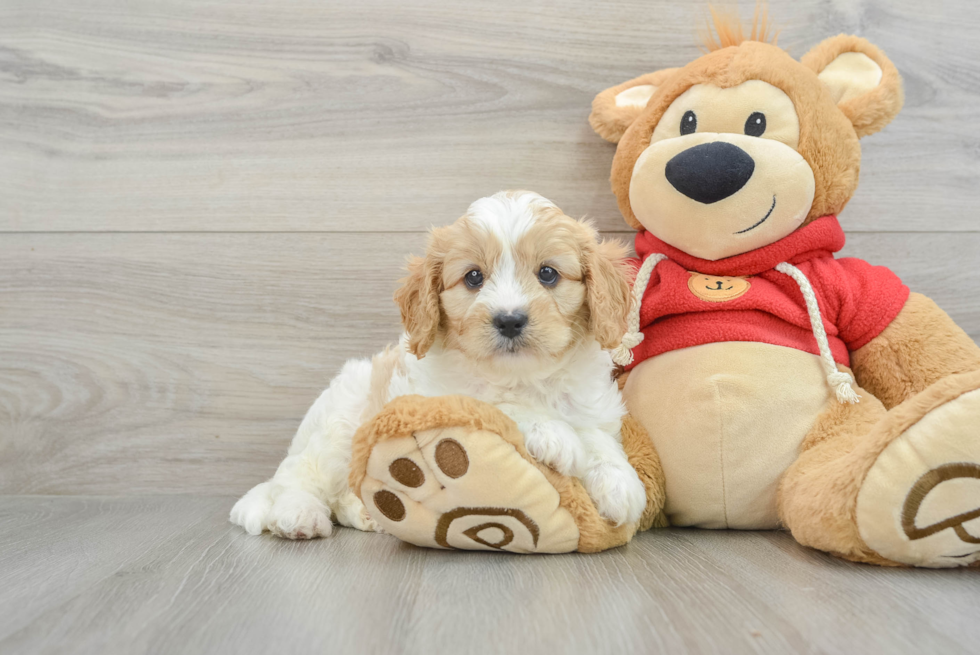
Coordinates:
<point>622,355</point>
<point>841,383</point>
<point>847,396</point>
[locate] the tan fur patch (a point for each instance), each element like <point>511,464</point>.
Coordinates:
<point>920,347</point>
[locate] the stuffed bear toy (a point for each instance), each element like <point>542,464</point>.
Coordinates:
<point>782,386</point>
<point>770,384</point>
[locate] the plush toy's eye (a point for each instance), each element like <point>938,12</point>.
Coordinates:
<point>473,279</point>
<point>689,123</point>
<point>548,276</point>
<point>756,124</point>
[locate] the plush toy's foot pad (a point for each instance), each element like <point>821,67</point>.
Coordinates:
<point>920,502</point>
<point>470,486</point>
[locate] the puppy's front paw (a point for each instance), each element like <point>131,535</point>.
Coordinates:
<point>352,513</point>
<point>554,444</point>
<point>617,491</point>
<point>252,510</point>
<point>298,514</point>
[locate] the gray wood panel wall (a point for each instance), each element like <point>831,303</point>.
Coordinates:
<point>204,207</point>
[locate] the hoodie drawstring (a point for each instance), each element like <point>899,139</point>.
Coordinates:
<point>838,380</point>
<point>623,353</point>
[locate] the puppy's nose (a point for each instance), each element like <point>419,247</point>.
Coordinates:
<point>710,172</point>
<point>510,325</point>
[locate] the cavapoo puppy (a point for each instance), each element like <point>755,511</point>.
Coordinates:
<point>512,304</point>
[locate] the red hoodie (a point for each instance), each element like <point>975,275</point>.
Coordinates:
<point>691,301</point>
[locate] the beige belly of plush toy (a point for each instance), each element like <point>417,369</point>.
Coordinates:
<point>727,419</point>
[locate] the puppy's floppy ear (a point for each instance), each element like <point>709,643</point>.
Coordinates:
<point>615,109</point>
<point>608,287</point>
<point>862,81</point>
<point>418,300</point>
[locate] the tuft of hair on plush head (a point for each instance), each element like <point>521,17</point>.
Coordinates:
<point>724,29</point>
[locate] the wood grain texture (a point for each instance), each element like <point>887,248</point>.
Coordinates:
<point>169,575</point>
<point>145,359</point>
<point>391,116</point>
<point>204,209</point>
<point>182,363</point>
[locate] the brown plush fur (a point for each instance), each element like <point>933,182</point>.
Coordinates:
<point>407,414</point>
<point>611,122</point>
<point>643,457</point>
<point>818,494</point>
<point>874,110</point>
<point>920,347</point>
<point>729,31</point>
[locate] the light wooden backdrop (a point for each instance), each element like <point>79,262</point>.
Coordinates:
<point>204,207</point>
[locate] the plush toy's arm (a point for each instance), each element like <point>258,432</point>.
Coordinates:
<point>922,345</point>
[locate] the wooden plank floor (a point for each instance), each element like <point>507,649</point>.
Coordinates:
<point>204,209</point>
<point>167,574</point>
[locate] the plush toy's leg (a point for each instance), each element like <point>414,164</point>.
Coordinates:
<point>644,458</point>
<point>452,472</point>
<point>892,487</point>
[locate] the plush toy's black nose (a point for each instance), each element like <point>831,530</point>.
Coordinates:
<point>510,325</point>
<point>710,172</point>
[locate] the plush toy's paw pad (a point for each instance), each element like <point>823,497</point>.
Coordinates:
<point>460,487</point>
<point>920,502</point>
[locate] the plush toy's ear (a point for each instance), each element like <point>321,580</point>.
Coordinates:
<point>862,81</point>
<point>617,107</point>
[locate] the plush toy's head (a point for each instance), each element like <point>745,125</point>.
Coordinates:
<point>744,145</point>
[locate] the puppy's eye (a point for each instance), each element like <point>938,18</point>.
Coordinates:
<point>548,276</point>
<point>689,123</point>
<point>756,124</point>
<point>473,279</point>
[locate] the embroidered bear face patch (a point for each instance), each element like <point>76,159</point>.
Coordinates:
<point>717,289</point>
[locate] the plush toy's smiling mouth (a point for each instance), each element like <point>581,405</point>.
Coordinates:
<point>764,218</point>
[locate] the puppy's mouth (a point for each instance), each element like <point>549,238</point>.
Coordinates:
<point>513,346</point>
<point>764,218</point>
